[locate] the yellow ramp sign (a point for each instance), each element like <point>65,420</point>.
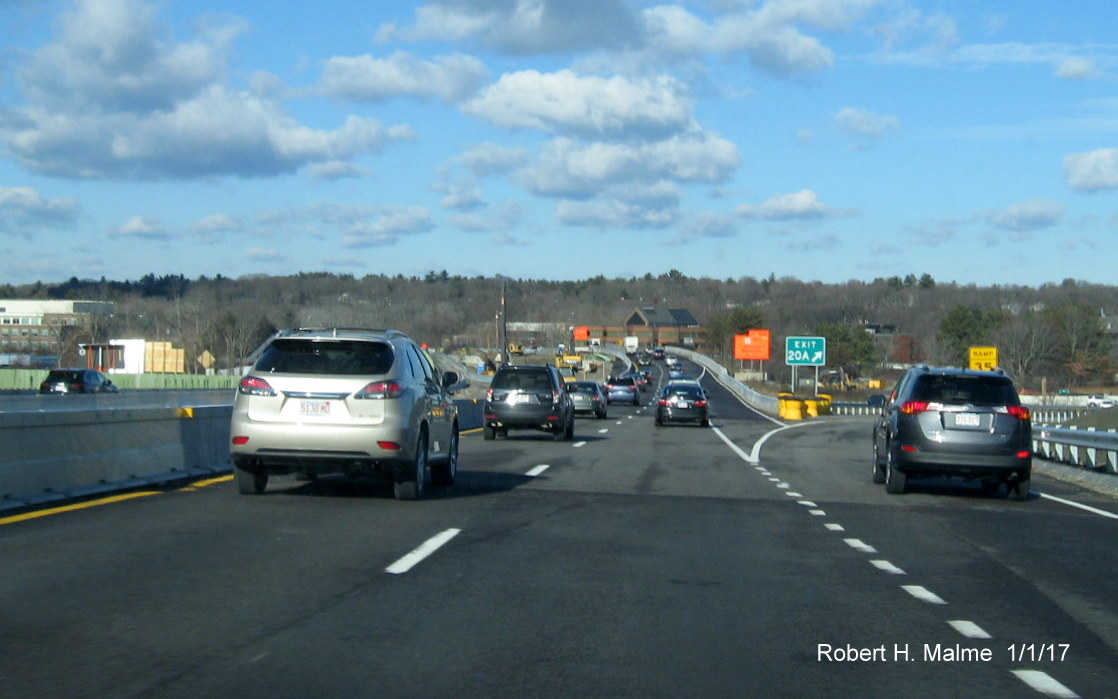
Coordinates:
<point>984,358</point>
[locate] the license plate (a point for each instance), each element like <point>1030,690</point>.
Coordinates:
<point>968,420</point>
<point>684,404</point>
<point>523,398</point>
<point>314,407</point>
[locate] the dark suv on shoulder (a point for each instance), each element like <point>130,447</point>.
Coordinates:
<point>524,397</point>
<point>344,400</point>
<point>954,422</point>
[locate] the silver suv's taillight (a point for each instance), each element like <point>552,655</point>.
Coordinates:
<point>253,386</point>
<point>379,390</point>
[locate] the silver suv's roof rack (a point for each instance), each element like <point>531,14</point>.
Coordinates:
<point>334,330</point>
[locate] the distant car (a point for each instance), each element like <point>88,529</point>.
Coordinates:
<point>76,381</point>
<point>1100,401</point>
<point>624,389</point>
<point>528,397</point>
<point>348,401</point>
<point>588,397</point>
<point>657,352</point>
<point>683,401</point>
<point>568,373</point>
<point>640,377</point>
<point>954,422</point>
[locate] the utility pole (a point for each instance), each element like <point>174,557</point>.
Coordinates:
<point>506,359</point>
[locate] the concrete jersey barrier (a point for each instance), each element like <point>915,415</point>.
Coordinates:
<point>51,456</point>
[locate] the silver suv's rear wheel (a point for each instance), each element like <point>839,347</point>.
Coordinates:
<point>444,472</point>
<point>410,486</point>
<point>250,482</point>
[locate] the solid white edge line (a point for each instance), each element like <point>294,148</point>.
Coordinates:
<point>969,629</point>
<point>923,594</point>
<point>423,551</point>
<point>538,470</point>
<point>1043,683</point>
<point>1086,508</point>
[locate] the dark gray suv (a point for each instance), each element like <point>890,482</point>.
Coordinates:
<point>344,400</point>
<point>954,422</point>
<point>526,397</point>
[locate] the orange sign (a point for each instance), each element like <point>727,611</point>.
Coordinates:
<point>582,333</point>
<point>756,345</point>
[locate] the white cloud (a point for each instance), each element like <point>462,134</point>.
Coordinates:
<point>369,79</point>
<point>1093,171</point>
<point>336,170</point>
<point>217,223</point>
<point>612,213</point>
<point>564,102</point>
<point>264,255</point>
<point>1028,216</point>
<point>114,55</point>
<point>24,211</point>
<point>522,26</point>
<point>801,205</point>
<point>863,123</point>
<point>387,229</point>
<point>1077,68</point>
<point>146,227</point>
<point>768,35</point>
<point>115,97</point>
<point>487,159</point>
<point>572,168</point>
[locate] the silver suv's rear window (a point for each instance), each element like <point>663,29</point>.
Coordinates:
<point>333,357</point>
<point>965,390</point>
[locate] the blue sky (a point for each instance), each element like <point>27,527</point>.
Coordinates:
<point>825,140</point>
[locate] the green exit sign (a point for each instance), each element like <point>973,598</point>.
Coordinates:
<point>805,351</point>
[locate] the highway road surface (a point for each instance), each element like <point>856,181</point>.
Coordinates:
<point>748,559</point>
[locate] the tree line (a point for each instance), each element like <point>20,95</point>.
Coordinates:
<point>1060,332</point>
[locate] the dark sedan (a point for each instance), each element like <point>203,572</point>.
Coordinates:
<point>683,402</point>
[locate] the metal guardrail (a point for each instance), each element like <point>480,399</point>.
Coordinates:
<point>766,404</point>
<point>1086,447</point>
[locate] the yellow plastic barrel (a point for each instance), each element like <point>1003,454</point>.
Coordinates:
<point>793,409</point>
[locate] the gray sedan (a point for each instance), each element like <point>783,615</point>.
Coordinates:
<point>588,397</point>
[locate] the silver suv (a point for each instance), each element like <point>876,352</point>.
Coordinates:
<point>344,400</point>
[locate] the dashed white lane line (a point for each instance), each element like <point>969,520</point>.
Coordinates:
<point>1043,683</point>
<point>834,527</point>
<point>793,495</point>
<point>887,567</point>
<point>423,551</point>
<point>969,629</point>
<point>576,445</point>
<point>807,503</point>
<point>817,513</point>
<point>603,430</point>
<point>538,470</point>
<point>923,594</point>
<point>860,545</point>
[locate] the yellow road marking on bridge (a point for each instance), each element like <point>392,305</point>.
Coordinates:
<point>78,506</point>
